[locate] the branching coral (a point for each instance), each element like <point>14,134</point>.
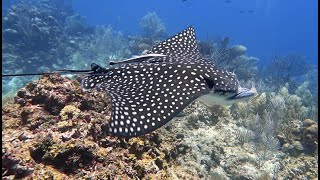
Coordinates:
<point>305,94</point>
<point>204,115</point>
<point>152,26</point>
<point>312,77</point>
<point>231,58</point>
<point>285,69</point>
<point>75,25</point>
<point>275,118</point>
<point>257,104</point>
<point>265,141</point>
<point>243,136</point>
<point>104,45</point>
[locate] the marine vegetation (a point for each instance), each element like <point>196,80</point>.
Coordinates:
<point>103,45</point>
<point>285,69</point>
<point>53,128</point>
<point>230,58</point>
<point>152,26</point>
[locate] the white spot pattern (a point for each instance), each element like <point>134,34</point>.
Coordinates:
<point>142,92</point>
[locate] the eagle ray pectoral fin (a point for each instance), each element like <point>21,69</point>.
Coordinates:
<point>148,100</point>
<point>93,81</point>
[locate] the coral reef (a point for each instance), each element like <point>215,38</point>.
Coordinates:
<point>53,122</point>
<point>35,38</point>
<point>54,129</point>
<point>32,33</point>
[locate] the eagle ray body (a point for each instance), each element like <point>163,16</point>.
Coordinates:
<point>151,91</point>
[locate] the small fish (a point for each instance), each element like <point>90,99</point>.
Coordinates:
<point>149,90</point>
<point>251,11</point>
<point>227,1</point>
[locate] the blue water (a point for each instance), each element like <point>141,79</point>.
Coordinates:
<point>279,27</point>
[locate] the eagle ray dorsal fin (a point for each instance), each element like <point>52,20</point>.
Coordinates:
<point>179,44</point>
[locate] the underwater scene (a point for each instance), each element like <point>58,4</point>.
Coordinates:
<point>170,89</point>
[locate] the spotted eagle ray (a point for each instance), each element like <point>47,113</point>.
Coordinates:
<point>149,90</point>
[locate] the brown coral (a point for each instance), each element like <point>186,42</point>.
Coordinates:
<point>59,132</point>
<point>310,135</point>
